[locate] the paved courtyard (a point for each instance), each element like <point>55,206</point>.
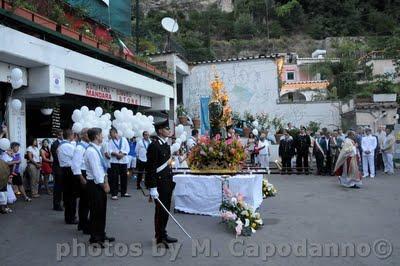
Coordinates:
<point>304,223</point>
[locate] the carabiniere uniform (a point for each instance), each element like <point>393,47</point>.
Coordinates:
<point>159,174</point>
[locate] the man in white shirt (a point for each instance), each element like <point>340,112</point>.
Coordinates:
<point>368,146</point>
<point>388,150</point>
<point>65,152</point>
<point>192,141</point>
<point>263,151</point>
<point>97,186</point>
<point>79,170</point>
<point>118,148</point>
<point>141,152</point>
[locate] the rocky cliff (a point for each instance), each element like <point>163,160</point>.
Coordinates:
<point>147,5</point>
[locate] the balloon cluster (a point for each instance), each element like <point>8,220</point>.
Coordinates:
<point>129,125</point>
<point>85,118</point>
<point>16,78</point>
<point>181,137</point>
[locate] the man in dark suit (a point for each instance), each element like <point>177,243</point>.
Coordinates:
<point>322,151</point>
<point>58,185</point>
<point>159,179</point>
<point>302,143</point>
<point>286,152</point>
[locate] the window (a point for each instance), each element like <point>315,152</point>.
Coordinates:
<point>289,75</point>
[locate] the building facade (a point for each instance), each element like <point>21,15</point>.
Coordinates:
<point>66,73</point>
<point>252,85</point>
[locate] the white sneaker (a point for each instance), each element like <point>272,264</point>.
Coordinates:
<point>372,176</point>
<point>365,176</point>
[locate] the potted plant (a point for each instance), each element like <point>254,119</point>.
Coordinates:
<point>23,9</point>
<point>182,114</point>
<point>277,123</point>
<point>115,49</point>
<point>87,35</point>
<point>67,31</point>
<point>104,45</point>
<point>248,121</point>
<point>196,120</point>
<point>263,121</point>
<point>314,126</point>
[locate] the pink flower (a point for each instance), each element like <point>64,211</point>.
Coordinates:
<point>240,197</point>
<point>227,191</point>
<point>203,153</point>
<point>227,216</point>
<point>229,141</point>
<point>239,227</point>
<point>217,137</point>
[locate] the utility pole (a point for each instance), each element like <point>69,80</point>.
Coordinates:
<point>137,26</point>
<point>267,16</point>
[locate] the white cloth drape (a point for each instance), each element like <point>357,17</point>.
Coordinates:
<point>202,194</point>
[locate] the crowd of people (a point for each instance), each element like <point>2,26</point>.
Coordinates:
<point>85,168</point>
<point>372,151</point>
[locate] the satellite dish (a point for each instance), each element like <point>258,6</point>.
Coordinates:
<point>170,24</point>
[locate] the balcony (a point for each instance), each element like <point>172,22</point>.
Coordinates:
<point>40,26</point>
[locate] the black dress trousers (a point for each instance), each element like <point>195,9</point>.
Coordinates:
<point>98,211</point>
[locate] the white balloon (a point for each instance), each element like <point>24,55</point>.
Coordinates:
<point>98,111</point>
<point>16,84</point>
<point>104,133</point>
<point>76,115</point>
<point>4,144</point>
<point>77,127</point>
<point>255,132</point>
<point>178,140</point>
<point>117,114</point>
<point>16,74</point>
<point>138,114</point>
<point>16,104</point>
<point>108,116</point>
<point>255,123</point>
<point>130,113</point>
<point>74,118</point>
<point>84,109</point>
<point>183,137</point>
<point>150,118</point>
<point>124,110</point>
<point>180,130</point>
<point>102,124</point>
<point>129,134</point>
<point>120,133</point>
<point>175,147</point>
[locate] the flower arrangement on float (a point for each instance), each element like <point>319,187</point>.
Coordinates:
<point>269,189</point>
<point>216,155</point>
<point>238,215</point>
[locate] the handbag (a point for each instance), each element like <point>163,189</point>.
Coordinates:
<point>11,198</point>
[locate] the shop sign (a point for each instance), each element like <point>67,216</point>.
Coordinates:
<point>105,93</point>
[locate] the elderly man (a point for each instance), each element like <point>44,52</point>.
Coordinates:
<point>368,146</point>
<point>388,150</point>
